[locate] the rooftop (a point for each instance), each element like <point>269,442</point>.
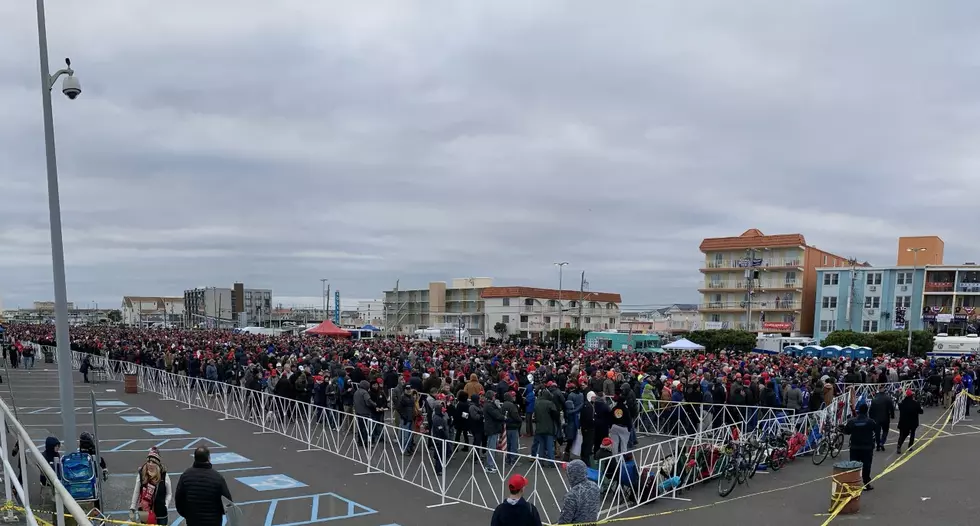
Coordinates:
<point>549,294</point>
<point>752,238</point>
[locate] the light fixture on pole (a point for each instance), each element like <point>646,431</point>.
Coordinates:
<point>908,321</point>
<point>72,89</point>
<point>323,295</point>
<point>560,266</point>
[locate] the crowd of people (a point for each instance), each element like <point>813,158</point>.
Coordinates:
<point>575,402</point>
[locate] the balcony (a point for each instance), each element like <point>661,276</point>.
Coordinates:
<point>968,288</point>
<point>770,284</point>
<point>770,263</point>
<point>757,305</point>
<point>939,286</point>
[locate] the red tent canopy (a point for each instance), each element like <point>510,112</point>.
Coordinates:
<point>327,328</point>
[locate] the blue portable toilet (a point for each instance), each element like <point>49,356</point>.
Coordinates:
<point>862,352</point>
<point>793,350</point>
<point>833,351</point>
<point>813,350</point>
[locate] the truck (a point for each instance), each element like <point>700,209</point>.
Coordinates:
<point>775,343</point>
<point>945,346</point>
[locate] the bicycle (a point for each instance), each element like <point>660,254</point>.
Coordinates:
<point>831,442</point>
<point>737,459</point>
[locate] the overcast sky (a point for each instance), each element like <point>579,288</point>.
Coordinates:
<point>277,143</point>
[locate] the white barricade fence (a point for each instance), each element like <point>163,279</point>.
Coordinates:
<point>458,472</point>
<point>659,418</point>
<point>896,390</point>
<point>30,457</point>
<point>959,407</point>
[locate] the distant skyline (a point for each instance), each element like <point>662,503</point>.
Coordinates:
<point>366,142</point>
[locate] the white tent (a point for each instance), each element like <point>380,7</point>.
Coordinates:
<point>683,344</point>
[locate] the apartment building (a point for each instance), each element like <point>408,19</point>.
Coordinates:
<point>371,312</point>
<point>478,305</point>
<point>532,312</point>
<point>152,310</point>
<point>227,307</point>
<point>761,283</point>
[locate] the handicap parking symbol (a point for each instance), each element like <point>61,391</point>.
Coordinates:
<point>271,482</point>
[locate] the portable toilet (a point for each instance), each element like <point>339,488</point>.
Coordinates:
<point>813,350</point>
<point>861,352</point>
<point>793,350</point>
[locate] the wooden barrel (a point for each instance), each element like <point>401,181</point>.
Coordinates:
<point>131,387</point>
<point>845,483</point>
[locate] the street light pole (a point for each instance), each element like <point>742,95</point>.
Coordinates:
<point>560,266</point>
<point>323,295</point>
<point>908,320</point>
<point>62,339</point>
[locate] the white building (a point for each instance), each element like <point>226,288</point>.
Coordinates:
<point>371,312</point>
<point>152,310</point>
<point>532,312</point>
<point>227,307</point>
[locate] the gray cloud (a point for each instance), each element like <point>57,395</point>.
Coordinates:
<point>428,140</point>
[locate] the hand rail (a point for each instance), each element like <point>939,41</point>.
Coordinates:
<point>27,447</point>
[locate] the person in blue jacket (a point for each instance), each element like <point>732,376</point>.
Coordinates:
<point>529,406</point>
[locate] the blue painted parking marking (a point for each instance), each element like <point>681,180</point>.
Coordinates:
<point>166,431</point>
<point>83,410</point>
<point>270,482</point>
<point>110,403</point>
<point>227,458</point>
<point>251,468</point>
<point>142,445</point>
<point>141,418</point>
<point>354,509</point>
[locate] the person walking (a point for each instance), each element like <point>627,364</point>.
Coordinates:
<point>581,503</point>
<point>199,492</point>
<point>908,419</point>
<point>864,433</point>
<point>882,411</point>
<point>152,493</point>
<point>514,510</point>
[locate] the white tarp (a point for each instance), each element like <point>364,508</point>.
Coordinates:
<point>683,344</point>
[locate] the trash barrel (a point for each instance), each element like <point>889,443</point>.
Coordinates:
<point>131,387</point>
<point>845,483</point>
<point>48,354</point>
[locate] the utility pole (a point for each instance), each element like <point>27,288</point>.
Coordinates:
<point>581,300</point>
<point>749,283</point>
<point>850,293</point>
<point>323,292</point>
<point>560,266</point>
<point>908,320</point>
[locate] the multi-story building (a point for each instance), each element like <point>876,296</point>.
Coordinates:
<point>867,299</point>
<point>439,305</point>
<point>480,306</point>
<point>227,307</point>
<point>761,283</point>
<point>152,310</point>
<point>532,312</point>
<point>681,318</point>
<point>371,312</point>
<point>48,306</point>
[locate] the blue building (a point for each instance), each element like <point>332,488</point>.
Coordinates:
<point>870,299</point>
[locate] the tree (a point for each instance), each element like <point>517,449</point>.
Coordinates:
<point>114,316</point>
<point>501,329</point>
<point>723,339</point>
<point>568,335</point>
<point>884,342</point>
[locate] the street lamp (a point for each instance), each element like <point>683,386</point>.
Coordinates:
<point>72,89</point>
<point>323,294</point>
<point>560,266</point>
<point>908,321</point>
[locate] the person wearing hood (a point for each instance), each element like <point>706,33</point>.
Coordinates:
<point>513,426</point>
<point>514,510</point>
<point>581,503</point>
<point>494,422</point>
<point>199,492</point>
<point>476,421</point>
<point>364,409</point>
<point>587,427</point>
<point>794,397</point>
<point>52,455</point>
<point>473,387</point>
<point>908,419</point>
<point>529,407</point>
<point>882,411</point>
<point>548,418</point>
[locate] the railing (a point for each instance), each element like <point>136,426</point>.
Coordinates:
<point>29,455</point>
<point>939,286</point>
<point>757,305</point>
<point>766,262</point>
<point>455,472</point>
<point>763,284</point>
<point>968,287</point>
<point>959,407</point>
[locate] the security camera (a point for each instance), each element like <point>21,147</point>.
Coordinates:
<point>71,87</point>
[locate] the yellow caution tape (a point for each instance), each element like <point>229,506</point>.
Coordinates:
<point>10,506</point>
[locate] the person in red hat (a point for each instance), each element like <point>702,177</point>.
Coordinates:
<point>515,510</point>
<point>908,419</point>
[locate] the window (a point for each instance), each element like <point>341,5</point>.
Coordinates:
<point>588,319</point>
<point>529,302</point>
<point>831,278</point>
<point>869,326</point>
<point>903,302</point>
<point>612,321</point>
<point>872,302</point>
<point>904,278</point>
<point>547,319</point>
<point>523,319</point>
<point>719,257</point>
<point>829,302</point>
<point>791,276</point>
<point>593,305</point>
<point>874,278</point>
<point>825,260</point>
<point>572,303</point>
<point>551,303</point>
<point>506,302</point>
<point>828,325</point>
<point>716,317</point>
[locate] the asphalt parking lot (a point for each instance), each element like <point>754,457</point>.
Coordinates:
<point>273,482</point>
<point>278,485</point>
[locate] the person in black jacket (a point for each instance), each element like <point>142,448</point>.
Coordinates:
<point>864,434</point>
<point>882,411</point>
<point>587,427</point>
<point>515,511</point>
<point>908,419</point>
<point>199,492</point>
